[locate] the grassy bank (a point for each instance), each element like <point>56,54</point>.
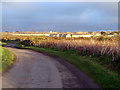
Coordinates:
<point>6,57</point>
<point>103,76</point>
<point>2,44</point>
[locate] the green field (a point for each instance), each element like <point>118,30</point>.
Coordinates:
<point>6,57</point>
<point>103,76</point>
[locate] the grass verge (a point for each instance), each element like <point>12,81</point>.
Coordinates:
<point>101,75</point>
<point>6,58</point>
<point>2,43</point>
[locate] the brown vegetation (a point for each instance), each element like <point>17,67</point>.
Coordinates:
<point>97,45</point>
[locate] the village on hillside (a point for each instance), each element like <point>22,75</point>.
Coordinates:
<point>64,34</point>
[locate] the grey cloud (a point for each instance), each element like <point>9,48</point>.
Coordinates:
<point>60,16</point>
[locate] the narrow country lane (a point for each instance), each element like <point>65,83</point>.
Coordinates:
<point>36,70</point>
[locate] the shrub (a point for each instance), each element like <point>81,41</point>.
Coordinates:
<point>26,42</point>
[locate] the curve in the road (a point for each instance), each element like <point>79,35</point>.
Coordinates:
<point>36,70</point>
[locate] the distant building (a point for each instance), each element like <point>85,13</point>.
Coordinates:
<point>64,35</point>
<point>98,34</point>
<point>53,35</point>
<point>82,33</point>
<point>57,35</point>
<point>50,31</point>
<point>32,34</point>
<point>68,35</point>
<point>60,35</point>
<point>77,35</point>
<point>110,35</point>
<point>53,32</point>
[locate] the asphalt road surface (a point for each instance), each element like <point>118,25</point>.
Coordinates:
<point>36,70</point>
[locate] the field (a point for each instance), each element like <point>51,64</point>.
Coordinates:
<point>7,58</point>
<point>99,57</point>
<point>100,47</point>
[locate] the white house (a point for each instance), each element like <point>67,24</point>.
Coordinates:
<point>77,35</point>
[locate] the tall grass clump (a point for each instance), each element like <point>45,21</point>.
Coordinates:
<point>109,48</point>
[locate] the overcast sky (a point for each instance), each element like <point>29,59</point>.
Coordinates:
<point>59,16</point>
